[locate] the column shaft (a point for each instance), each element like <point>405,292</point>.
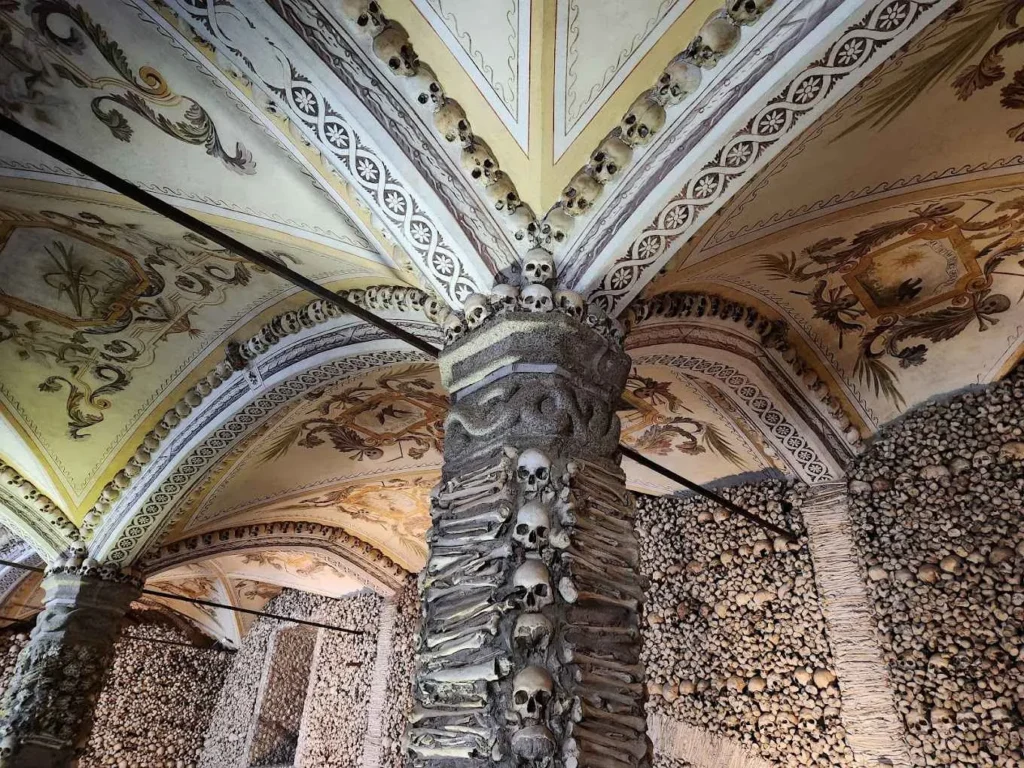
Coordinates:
<point>530,648</point>
<point>46,714</point>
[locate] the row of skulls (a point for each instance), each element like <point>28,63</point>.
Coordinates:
<point>533,686</point>
<point>536,296</point>
<point>392,46</point>
<point>681,78</point>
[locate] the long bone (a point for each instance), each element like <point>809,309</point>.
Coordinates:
<point>635,672</point>
<point>635,747</point>
<point>594,519</point>
<point>489,624</point>
<point>449,566</point>
<point>448,558</point>
<point>631,722</point>
<point>605,512</point>
<point>587,759</point>
<point>458,495</point>
<point>498,513</point>
<point>597,597</point>
<point>460,752</point>
<point>420,713</point>
<point>436,594</point>
<point>455,542</point>
<point>467,613</point>
<point>606,686</point>
<point>486,671</point>
<point>473,642</point>
<point>450,577</point>
<point>573,557</point>
<point>451,732</point>
<point>604,584</point>
<point>583,544</point>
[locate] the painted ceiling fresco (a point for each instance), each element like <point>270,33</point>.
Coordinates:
<point>862,218</point>
<point>888,235</point>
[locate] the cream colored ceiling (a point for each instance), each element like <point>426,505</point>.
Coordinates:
<point>543,82</point>
<point>888,234</point>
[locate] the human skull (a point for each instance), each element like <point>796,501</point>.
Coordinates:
<point>450,120</point>
<point>392,46</point>
<point>453,328</point>
<point>504,298</point>
<point>366,15</point>
<point>90,567</point>
<point>478,161</point>
<point>533,470</point>
<point>571,303</point>
<point>538,266</point>
<point>644,119</point>
<point>521,222</point>
<point>596,318</point>
<point>109,571</point>
<point>477,309</point>
<point>748,11</point>
<point>531,692</point>
<point>533,630</point>
<point>680,78</point>
<point>611,157</point>
<point>719,35</point>
<point>533,744</point>
<point>502,194</point>
<point>532,583</point>
<point>556,227</point>
<point>580,193</point>
<point>433,308</point>
<point>425,88</point>
<point>536,298</point>
<point>533,524</point>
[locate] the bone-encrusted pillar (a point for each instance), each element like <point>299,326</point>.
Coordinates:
<point>46,713</point>
<point>529,650</point>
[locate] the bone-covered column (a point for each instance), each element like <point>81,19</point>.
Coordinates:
<point>529,650</point>
<point>46,713</point>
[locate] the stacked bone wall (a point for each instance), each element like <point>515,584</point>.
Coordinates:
<point>156,702</point>
<point>734,639</point>
<point>398,695</point>
<point>939,518</point>
<point>334,715</point>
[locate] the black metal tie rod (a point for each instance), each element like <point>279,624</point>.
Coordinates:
<point>211,604</point>
<point>643,461</point>
<point>157,205</point>
<point>154,203</point>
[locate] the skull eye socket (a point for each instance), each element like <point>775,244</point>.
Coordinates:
<point>542,531</point>
<point>373,8</point>
<point>521,697</point>
<point>435,88</point>
<point>522,529</point>
<point>422,98</point>
<point>644,130</point>
<point>541,590</point>
<point>463,125</point>
<point>542,472</point>
<point>394,62</point>
<point>363,19</point>
<point>599,157</point>
<point>612,168</point>
<point>523,473</point>
<point>664,79</point>
<point>630,119</point>
<point>559,236</point>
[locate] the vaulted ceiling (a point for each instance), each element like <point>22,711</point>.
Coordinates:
<point>806,210</point>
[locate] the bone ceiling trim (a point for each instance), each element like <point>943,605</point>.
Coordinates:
<point>154,504</point>
<point>874,727</point>
<point>650,319</point>
<point>695,745</point>
<point>361,560</point>
<point>246,356</point>
<point>844,62</point>
<point>32,515</point>
<point>446,238</point>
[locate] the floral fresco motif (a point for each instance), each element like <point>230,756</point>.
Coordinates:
<point>399,507</point>
<point>94,301</point>
<point>952,56</point>
<point>297,563</point>
<point>37,53</point>
<point>650,430</point>
<point>399,409</point>
<point>909,282</point>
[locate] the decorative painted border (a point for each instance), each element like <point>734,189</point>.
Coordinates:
<point>803,99</point>
<point>326,125</point>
